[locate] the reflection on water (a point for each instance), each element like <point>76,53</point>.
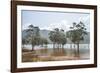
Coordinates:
<point>47,53</point>
<point>66,46</point>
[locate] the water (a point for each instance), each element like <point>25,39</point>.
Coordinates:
<point>66,46</point>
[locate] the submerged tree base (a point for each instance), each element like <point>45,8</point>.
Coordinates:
<point>49,55</point>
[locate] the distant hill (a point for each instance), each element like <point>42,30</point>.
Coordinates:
<point>45,34</point>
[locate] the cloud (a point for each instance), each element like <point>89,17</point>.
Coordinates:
<point>63,24</point>
<point>45,28</point>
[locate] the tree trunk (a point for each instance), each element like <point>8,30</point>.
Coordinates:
<point>54,48</point>
<point>63,50</point>
<point>46,50</point>
<point>78,52</point>
<point>53,45</point>
<point>59,50</point>
<point>62,46</point>
<point>32,47</point>
<point>32,43</point>
<point>75,52</point>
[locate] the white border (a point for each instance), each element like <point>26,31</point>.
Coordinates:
<point>56,63</point>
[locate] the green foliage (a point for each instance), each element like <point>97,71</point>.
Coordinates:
<point>58,36</point>
<point>33,37</point>
<point>43,41</point>
<point>77,32</point>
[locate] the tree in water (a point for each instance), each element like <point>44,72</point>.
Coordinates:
<point>52,37</point>
<point>58,37</point>
<point>44,42</point>
<point>33,35</point>
<point>78,31</point>
<point>62,41</point>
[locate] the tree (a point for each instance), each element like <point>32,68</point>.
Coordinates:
<point>62,40</point>
<point>69,36</point>
<point>58,37</point>
<point>44,42</point>
<point>33,35</point>
<point>78,31</point>
<point>52,38</point>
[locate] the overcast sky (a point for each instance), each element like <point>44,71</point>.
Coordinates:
<point>51,20</point>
